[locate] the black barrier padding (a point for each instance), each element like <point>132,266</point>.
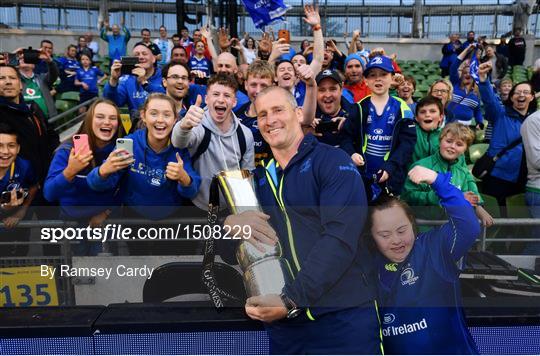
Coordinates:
<point>49,321</point>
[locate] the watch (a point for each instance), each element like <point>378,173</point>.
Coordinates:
<point>292,310</point>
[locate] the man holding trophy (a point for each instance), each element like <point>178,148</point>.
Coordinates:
<point>312,212</point>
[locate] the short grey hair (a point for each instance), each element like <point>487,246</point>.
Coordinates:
<point>288,95</point>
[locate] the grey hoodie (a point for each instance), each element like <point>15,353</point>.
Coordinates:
<point>223,152</point>
<point>530,132</point>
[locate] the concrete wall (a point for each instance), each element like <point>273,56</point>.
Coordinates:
<point>406,48</point>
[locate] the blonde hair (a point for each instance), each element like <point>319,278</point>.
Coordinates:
<point>448,85</point>
<point>459,131</point>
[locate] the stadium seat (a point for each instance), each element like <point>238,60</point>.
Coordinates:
<point>70,96</point>
<point>477,150</point>
<point>62,105</point>
<point>491,205</point>
<point>516,207</point>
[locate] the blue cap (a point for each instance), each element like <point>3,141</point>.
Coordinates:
<point>381,62</point>
<point>350,57</point>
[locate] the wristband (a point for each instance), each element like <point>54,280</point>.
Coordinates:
<point>316,27</point>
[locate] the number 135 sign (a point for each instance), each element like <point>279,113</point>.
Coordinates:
<point>25,287</point>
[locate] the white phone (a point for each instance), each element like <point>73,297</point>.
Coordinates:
<point>126,144</point>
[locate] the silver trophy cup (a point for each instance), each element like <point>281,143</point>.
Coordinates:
<point>264,272</point>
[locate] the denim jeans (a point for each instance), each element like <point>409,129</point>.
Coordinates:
<point>533,202</point>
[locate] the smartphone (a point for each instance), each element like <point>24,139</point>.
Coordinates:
<point>128,64</point>
<point>285,34</point>
<point>31,56</point>
<point>126,144</point>
<point>11,59</point>
<point>6,195</point>
<point>80,144</point>
<point>327,126</point>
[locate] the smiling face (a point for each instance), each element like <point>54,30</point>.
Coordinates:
<point>163,32</point>
<point>441,92</point>
<point>159,118</point>
<point>104,123</point>
<point>9,149</point>
<point>145,36</point>
<point>10,84</point>
<point>353,71</point>
<point>393,233</point>
<point>146,58</point>
<point>199,48</point>
<point>451,147</point>
<point>179,54</point>
<point>285,75</point>
<point>177,82</point>
<point>378,81</point>
<point>226,63</point>
<point>278,120</point>
<point>406,90</point>
<point>429,117</point>
<point>220,100</point>
<point>329,96</point>
<point>521,97</point>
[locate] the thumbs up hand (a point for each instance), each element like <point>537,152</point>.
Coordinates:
<point>175,171</point>
<point>194,115</point>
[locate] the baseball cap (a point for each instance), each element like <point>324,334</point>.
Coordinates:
<point>381,62</point>
<point>329,73</point>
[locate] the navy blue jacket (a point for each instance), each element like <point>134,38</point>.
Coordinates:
<point>401,150</point>
<point>76,198</point>
<point>143,185</point>
<point>325,204</point>
<point>421,298</point>
<point>506,125</point>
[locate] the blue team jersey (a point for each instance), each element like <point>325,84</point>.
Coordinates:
<point>90,77</point>
<point>200,64</point>
<point>67,69</point>
<point>379,133</point>
<point>421,300</point>
<point>20,175</point>
<point>262,150</point>
<point>300,93</point>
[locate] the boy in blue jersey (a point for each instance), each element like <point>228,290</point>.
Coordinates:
<point>18,186</point>
<point>418,274</point>
<point>87,78</point>
<point>381,141</point>
<point>67,68</point>
<point>198,61</point>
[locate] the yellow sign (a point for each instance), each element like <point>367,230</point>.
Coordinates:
<point>25,287</point>
<point>125,119</point>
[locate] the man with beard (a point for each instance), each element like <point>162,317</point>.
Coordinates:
<point>176,83</point>
<point>214,136</point>
<point>354,78</point>
<point>179,54</point>
<point>133,89</point>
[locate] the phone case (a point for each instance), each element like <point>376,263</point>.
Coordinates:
<point>285,34</point>
<point>80,143</point>
<point>125,144</point>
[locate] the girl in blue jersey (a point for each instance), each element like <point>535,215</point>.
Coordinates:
<point>418,273</point>
<point>154,180</point>
<point>66,180</point>
<point>87,77</point>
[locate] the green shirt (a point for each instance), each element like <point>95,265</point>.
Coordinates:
<point>33,93</point>
<point>427,143</point>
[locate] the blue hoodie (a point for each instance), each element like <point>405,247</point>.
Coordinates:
<point>143,185</point>
<point>130,92</point>
<point>76,198</point>
<point>463,106</point>
<point>506,125</point>
<point>421,299</point>
<point>324,208</point>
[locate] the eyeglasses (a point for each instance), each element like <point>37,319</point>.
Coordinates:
<point>522,92</point>
<point>440,91</point>
<point>178,78</point>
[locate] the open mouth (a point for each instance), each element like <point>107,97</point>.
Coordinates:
<point>220,110</point>
<point>427,121</point>
<point>105,130</point>
<point>5,159</point>
<point>398,250</point>
<point>160,128</point>
<point>273,131</point>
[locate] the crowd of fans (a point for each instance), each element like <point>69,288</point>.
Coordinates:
<point>191,97</point>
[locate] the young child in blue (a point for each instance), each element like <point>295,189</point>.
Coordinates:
<point>87,78</point>
<point>381,141</point>
<point>18,186</point>
<point>66,182</point>
<point>154,181</point>
<point>418,273</point>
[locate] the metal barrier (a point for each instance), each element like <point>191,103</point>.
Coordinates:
<point>67,113</point>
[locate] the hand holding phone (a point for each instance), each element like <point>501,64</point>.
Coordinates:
<point>128,64</point>
<point>81,144</point>
<point>327,126</point>
<point>12,199</point>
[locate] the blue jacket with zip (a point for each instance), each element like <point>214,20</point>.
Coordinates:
<point>402,146</point>
<point>506,125</point>
<point>76,198</point>
<point>144,186</point>
<point>421,298</point>
<point>318,208</point>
